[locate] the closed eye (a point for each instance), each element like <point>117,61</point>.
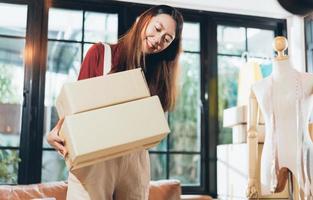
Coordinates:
<point>157,29</point>
<point>167,39</point>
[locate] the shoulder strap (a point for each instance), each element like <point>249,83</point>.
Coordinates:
<point>106,59</point>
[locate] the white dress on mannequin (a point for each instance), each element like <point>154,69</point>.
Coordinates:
<point>285,99</point>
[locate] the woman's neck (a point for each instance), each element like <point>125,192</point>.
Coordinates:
<point>282,69</point>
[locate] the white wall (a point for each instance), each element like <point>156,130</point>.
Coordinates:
<point>296,41</point>
<point>266,8</point>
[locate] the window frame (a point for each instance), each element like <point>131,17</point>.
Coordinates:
<point>190,189</point>
<point>308,31</point>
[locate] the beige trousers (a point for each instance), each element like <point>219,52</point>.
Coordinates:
<point>126,178</point>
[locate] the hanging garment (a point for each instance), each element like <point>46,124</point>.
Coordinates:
<point>249,73</point>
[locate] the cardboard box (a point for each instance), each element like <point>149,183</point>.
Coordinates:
<point>232,173</point>
<point>105,133</point>
<point>88,94</point>
<point>239,134</point>
<point>237,115</point>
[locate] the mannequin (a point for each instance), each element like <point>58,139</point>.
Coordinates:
<point>285,99</point>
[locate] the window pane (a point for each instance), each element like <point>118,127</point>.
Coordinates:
<point>231,40</point>
<point>228,69</point>
<point>53,167</point>
<point>10,124</point>
<point>8,166</point>
<point>185,119</point>
<point>185,168</point>
<point>11,90</point>
<point>260,42</point>
<point>63,65</point>
<point>17,14</point>
<point>308,27</point>
<point>64,58</point>
<point>162,146</point>
<point>101,27</point>
<point>65,24</point>
<point>158,166</point>
<point>191,37</point>
<point>86,48</point>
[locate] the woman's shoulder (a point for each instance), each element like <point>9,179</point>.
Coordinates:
<point>92,65</point>
<point>99,48</point>
<point>96,48</point>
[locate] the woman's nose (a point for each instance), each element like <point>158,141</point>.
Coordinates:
<point>158,39</point>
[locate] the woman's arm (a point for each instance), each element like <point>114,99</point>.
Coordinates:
<point>92,65</point>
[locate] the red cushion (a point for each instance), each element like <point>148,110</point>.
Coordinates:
<point>42,190</point>
<point>165,189</point>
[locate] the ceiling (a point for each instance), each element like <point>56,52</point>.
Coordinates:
<point>264,8</point>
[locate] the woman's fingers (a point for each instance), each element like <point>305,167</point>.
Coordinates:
<point>60,148</point>
<point>58,126</point>
<point>53,137</point>
<point>55,140</point>
<point>58,138</point>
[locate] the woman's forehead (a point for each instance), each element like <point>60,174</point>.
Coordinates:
<point>167,21</point>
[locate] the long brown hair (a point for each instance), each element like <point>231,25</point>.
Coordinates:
<point>161,69</point>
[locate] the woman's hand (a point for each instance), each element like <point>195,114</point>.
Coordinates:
<point>55,140</point>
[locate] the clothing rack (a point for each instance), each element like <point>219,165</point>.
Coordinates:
<point>246,56</point>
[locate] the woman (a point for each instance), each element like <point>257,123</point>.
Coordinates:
<point>153,43</point>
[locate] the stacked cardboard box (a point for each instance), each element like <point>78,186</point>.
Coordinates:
<point>109,116</point>
<point>232,173</point>
<point>236,118</point>
<point>232,159</point>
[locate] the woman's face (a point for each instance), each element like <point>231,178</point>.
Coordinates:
<point>160,33</point>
